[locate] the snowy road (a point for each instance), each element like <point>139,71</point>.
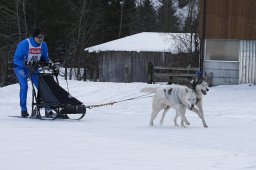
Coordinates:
<point>118,137</point>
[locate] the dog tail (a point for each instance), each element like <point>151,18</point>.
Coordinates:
<point>149,90</point>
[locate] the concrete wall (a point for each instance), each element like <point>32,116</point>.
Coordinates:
<point>223,72</point>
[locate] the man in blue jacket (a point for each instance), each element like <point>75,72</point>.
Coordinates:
<point>29,50</point>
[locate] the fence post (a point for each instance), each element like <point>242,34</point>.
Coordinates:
<point>85,74</point>
<point>126,74</point>
<point>95,73</point>
<point>150,73</point>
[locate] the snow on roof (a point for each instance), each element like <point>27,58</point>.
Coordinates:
<point>147,42</point>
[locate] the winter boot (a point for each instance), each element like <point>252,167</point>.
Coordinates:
<point>24,114</point>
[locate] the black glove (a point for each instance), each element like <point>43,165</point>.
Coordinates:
<point>44,63</point>
<point>32,67</point>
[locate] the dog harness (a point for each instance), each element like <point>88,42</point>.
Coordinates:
<point>196,82</point>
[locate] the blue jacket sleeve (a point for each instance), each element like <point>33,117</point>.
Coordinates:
<point>44,56</point>
<point>21,53</point>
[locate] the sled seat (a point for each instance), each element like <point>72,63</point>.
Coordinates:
<point>53,96</point>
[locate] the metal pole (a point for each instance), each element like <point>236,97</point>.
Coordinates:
<point>121,18</point>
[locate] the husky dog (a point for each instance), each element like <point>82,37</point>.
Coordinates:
<point>177,97</point>
<point>200,87</point>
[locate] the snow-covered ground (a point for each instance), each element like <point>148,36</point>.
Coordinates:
<point>119,137</point>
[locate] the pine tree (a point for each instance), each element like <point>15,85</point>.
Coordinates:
<point>146,17</point>
<point>167,20</point>
<point>111,19</point>
<point>128,17</point>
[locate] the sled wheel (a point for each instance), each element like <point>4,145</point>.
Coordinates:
<point>52,117</point>
<point>75,116</point>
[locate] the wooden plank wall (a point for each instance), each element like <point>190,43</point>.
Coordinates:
<point>228,19</point>
<point>112,64</point>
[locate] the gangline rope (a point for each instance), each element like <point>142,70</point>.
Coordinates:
<point>119,101</point>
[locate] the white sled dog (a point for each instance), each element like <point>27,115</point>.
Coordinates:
<point>200,87</point>
<point>173,96</point>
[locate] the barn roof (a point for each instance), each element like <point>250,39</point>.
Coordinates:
<point>146,42</point>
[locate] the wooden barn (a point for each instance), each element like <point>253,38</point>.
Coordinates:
<point>228,46</point>
<point>127,59</point>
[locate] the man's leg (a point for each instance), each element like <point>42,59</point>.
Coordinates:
<point>22,76</point>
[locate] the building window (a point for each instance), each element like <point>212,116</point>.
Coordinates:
<point>226,50</point>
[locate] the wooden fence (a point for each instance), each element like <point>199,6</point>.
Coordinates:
<point>177,75</point>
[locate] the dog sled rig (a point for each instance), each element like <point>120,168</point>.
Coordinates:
<point>50,95</point>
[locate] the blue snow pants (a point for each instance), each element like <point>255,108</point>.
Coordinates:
<point>22,75</point>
